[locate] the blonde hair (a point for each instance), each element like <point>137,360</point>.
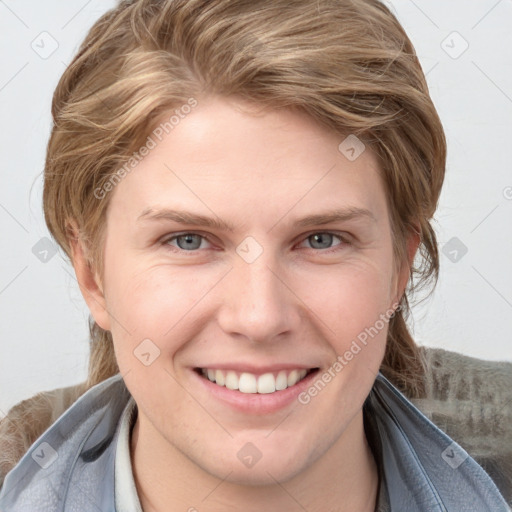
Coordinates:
<point>346,63</point>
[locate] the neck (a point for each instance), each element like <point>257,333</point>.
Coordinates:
<point>345,478</point>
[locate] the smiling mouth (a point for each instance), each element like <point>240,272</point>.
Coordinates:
<point>250,383</point>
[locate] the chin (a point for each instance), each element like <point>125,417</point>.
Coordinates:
<point>252,467</point>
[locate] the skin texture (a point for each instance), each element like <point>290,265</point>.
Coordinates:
<point>296,303</point>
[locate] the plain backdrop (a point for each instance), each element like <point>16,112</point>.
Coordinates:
<point>465,47</point>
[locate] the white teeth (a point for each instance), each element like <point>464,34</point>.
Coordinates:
<point>281,381</point>
<point>250,383</point>
<point>247,383</point>
<point>219,378</point>
<point>266,383</point>
<point>231,380</point>
<point>293,377</point>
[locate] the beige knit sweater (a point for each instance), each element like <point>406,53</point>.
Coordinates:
<point>469,399</point>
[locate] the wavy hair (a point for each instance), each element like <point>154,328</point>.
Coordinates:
<point>346,63</point>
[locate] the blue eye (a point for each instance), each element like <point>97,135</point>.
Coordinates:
<point>323,241</point>
<point>187,241</point>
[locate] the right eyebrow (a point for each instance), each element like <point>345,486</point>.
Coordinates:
<point>184,217</point>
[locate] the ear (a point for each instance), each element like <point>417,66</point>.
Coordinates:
<point>412,244</point>
<point>88,279</point>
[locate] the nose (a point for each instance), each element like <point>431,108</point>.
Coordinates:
<point>257,303</point>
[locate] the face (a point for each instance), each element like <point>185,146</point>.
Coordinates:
<point>278,260</point>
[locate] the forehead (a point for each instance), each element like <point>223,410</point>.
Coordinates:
<point>230,157</point>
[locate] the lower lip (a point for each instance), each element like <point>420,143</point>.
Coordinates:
<point>256,403</point>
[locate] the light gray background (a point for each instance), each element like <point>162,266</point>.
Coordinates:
<point>43,329</point>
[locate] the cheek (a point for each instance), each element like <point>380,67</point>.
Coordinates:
<point>347,299</point>
<point>354,308</point>
<point>154,303</point>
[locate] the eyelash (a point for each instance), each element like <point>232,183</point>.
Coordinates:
<point>344,241</point>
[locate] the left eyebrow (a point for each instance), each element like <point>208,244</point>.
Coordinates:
<point>338,215</point>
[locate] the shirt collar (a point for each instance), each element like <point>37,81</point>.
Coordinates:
<point>126,496</point>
